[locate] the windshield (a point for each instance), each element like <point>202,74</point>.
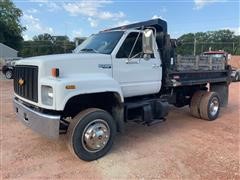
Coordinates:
<point>216,55</point>
<point>103,43</point>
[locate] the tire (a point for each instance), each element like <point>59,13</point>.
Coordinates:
<point>88,130</point>
<point>195,103</point>
<point>237,77</point>
<point>210,106</point>
<point>9,74</point>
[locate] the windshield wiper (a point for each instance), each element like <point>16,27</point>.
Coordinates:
<point>88,50</point>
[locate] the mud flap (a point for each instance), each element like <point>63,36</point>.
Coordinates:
<point>118,115</point>
<point>222,90</point>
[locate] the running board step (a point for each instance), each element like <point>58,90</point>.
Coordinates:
<point>149,111</point>
<point>154,121</point>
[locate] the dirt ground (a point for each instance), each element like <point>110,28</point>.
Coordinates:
<point>235,61</point>
<point>183,147</point>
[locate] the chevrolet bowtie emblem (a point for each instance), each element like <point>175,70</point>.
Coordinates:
<point>20,81</point>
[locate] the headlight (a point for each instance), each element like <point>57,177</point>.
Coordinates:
<point>47,95</point>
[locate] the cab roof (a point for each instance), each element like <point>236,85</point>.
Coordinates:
<point>215,52</point>
<point>159,24</point>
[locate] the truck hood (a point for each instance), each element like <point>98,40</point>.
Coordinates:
<point>69,64</point>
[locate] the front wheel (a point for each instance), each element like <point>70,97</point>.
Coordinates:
<point>9,74</point>
<point>91,134</point>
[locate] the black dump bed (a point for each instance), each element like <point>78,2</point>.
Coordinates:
<point>159,24</point>
<point>182,70</point>
<point>194,70</point>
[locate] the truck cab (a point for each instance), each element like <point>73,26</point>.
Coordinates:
<point>114,76</point>
<point>219,53</point>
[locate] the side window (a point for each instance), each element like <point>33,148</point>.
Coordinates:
<point>127,45</point>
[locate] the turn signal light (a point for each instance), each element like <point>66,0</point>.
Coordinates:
<point>55,72</point>
<point>70,87</point>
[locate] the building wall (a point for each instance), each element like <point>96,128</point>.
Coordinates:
<point>2,62</point>
<point>7,52</point>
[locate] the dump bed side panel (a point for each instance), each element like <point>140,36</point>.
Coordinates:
<point>194,70</point>
<point>202,63</point>
<point>188,78</point>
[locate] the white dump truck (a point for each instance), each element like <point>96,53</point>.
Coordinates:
<point>115,76</point>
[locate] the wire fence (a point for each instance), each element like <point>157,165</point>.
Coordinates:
<point>197,47</point>
<point>186,48</point>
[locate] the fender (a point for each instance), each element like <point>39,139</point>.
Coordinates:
<point>84,84</point>
<point>5,68</point>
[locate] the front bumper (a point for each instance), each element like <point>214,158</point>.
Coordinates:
<point>44,124</point>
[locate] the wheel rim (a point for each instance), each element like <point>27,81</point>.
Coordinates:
<point>214,106</point>
<point>8,74</point>
<point>96,135</point>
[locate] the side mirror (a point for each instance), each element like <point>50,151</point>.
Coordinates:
<point>148,41</point>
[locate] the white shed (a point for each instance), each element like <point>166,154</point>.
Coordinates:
<point>7,52</point>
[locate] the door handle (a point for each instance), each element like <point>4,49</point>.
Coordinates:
<point>155,66</point>
<point>132,61</point>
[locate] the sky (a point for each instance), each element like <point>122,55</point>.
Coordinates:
<point>85,17</point>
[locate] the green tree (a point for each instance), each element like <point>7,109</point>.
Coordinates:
<point>79,40</point>
<point>215,40</point>
<point>186,47</point>
<point>45,44</point>
<point>10,26</point>
<point>62,44</point>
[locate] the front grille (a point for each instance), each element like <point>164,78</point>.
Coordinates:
<point>28,77</point>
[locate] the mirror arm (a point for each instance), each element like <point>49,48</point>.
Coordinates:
<point>136,55</point>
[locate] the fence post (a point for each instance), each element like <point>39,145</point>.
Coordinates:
<point>194,46</point>
<point>197,63</point>
<point>210,62</point>
<point>233,48</point>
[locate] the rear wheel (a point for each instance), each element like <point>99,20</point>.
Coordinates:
<point>9,74</point>
<point>91,134</point>
<point>209,106</point>
<point>195,103</point>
